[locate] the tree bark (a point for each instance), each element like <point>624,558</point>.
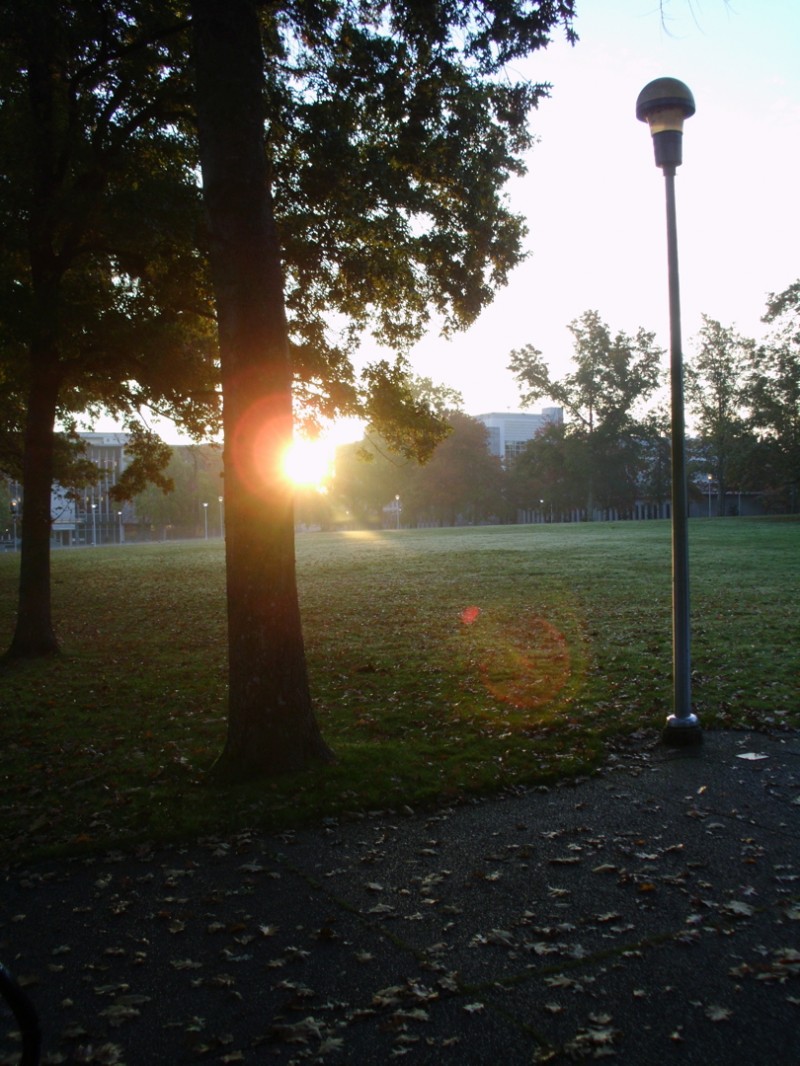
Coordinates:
<point>34,634</point>
<point>271,724</point>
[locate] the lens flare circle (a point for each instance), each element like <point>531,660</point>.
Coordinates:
<point>525,665</point>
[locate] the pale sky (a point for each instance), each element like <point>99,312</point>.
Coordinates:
<point>594,199</point>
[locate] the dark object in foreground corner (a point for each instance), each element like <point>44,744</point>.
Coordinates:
<point>26,1016</point>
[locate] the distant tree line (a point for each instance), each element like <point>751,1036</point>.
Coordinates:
<point>195,474</point>
<point>613,449</point>
<point>611,452</point>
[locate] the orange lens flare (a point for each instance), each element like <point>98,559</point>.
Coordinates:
<point>525,666</point>
<point>258,443</point>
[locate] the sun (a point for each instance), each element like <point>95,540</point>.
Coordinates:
<point>308,464</point>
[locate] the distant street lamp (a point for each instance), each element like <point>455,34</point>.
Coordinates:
<point>121,528</point>
<point>664,104</point>
<point>710,479</point>
<point>205,517</point>
<point>94,525</point>
<point>397,511</point>
<point>221,520</point>
<point>14,506</point>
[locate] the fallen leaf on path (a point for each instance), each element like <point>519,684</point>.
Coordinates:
<point>737,908</point>
<point>715,1013</point>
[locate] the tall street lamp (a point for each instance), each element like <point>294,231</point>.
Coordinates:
<point>221,519</point>
<point>664,104</point>
<point>94,525</point>
<point>205,517</point>
<point>397,511</point>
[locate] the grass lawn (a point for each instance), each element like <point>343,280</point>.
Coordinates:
<point>443,663</point>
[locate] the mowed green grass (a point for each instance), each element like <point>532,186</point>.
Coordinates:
<point>443,663</point>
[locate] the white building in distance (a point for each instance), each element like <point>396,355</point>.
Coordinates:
<point>90,515</point>
<point>509,432</point>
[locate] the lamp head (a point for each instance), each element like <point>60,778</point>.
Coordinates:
<point>664,104</point>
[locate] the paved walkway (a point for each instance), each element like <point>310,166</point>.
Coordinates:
<point>651,913</point>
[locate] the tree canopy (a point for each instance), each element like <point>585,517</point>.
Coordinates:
<point>603,397</point>
<point>104,296</point>
<point>773,389</point>
<point>715,390</point>
<point>389,129</point>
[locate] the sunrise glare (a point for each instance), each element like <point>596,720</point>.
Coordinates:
<point>309,463</point>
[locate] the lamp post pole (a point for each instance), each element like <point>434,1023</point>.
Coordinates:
<point>94,525</point>
<point>205,518</point>
<point>664,104</point>
<point>221,518</point>
<point>397,511</point>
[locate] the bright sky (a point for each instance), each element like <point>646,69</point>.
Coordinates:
<point>594,199</point>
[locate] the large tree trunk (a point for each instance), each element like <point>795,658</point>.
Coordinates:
<point>34,634</point>
<point>271,724</point>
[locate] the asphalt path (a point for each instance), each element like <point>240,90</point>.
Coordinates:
<point>650,913</point>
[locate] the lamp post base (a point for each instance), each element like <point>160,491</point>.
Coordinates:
<point>682,732</point>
